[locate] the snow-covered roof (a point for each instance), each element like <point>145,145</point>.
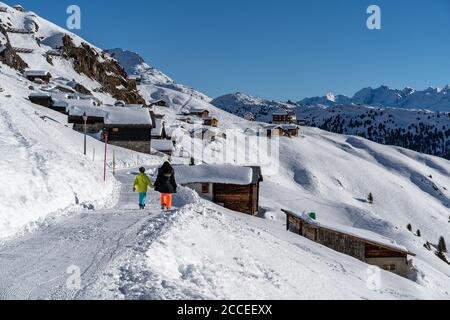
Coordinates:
<point>280,113</point>
<point>226,174</point>
<point>39,95</point>
<point>195,110</point>
<point>36,73</point>
<point>162,145</point>
<point>289,127</point>
<point>112,115</point>
<point>134,106</point>
<point>362,234</point>
<point>272,127</point>
<point>64,103</point>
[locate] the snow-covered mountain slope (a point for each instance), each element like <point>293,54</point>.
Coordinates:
<point>416,129</point>
<point>134,64</point>
<point>420,130</point>
<point>435,99</point>
<point>43,168</point>
<point>250,107</point>
<point>204,251</point>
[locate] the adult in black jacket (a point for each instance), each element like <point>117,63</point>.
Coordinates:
<point>166,185</point>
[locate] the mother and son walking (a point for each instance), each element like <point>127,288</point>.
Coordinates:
<point>165,184</point>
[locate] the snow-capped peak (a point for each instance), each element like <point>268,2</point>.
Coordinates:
<point>432,98</point>
<point>134,64</point>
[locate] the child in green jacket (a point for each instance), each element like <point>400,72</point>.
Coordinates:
<point>141,185</point>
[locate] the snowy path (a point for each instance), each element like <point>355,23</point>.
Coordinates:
<point>36,266</point>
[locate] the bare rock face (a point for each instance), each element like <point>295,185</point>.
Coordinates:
<point>7,54</point>
<point>106,71</point>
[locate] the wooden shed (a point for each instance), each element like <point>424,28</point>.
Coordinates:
<point>272,131</point>
<point>129,128</point>
<point>136,78</point>
<point>290,130</point>
<point>163,146</point>
<point>208,134</point>
<point>159,103</point>
<point>41,75</point>
<point>211,122</point>
<point>363,245</point>
<point>201,113</point>
<point>281,117</point>
<point>43,99</point>
<point>233,187</point>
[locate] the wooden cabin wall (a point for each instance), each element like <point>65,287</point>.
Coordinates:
<point>42,101</point>
<point>342,243</point>
<point>79,119</point>
<point>139,146</point>
<point>237,198</point>
<point>129,134</point>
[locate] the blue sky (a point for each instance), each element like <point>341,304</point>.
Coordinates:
<point>285,49</point>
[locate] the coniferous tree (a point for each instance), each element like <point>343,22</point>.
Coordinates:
<point>370,198</point>
<point>442,246</point>
<point>419,234</point>
<point>409,227</point>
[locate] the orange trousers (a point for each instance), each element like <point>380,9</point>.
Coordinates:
<point>166,199</point>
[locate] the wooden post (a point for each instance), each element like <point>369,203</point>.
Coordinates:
<point>106,150</point>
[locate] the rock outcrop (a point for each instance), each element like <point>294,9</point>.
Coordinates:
<point>106,71</point>
<point>7,54</point>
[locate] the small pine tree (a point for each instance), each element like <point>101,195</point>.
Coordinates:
<point>442,246</point>
<point>370,198</point>
<point>419,234</point>
<point>409,227</point>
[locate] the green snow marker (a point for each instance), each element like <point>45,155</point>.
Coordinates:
<point>313,215</point>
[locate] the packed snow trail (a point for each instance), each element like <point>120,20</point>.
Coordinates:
<point>40,265</point>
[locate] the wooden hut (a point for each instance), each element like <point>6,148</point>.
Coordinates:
<point>281,117</point>
<point>43,99</point>
<point>201,113</point>
<point>363,245</point>
<point>41,75</point>
<point>136,78</point>
<point>159,103</point>
<point>290,130</point>
<point>163,146</point>
<point>3,9</point>
<point>233,187</point>
<point>211,122</point>
<point>208,134</point>
<point>119,103</point>
<point>129,128</point>
<point>272,131</point>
